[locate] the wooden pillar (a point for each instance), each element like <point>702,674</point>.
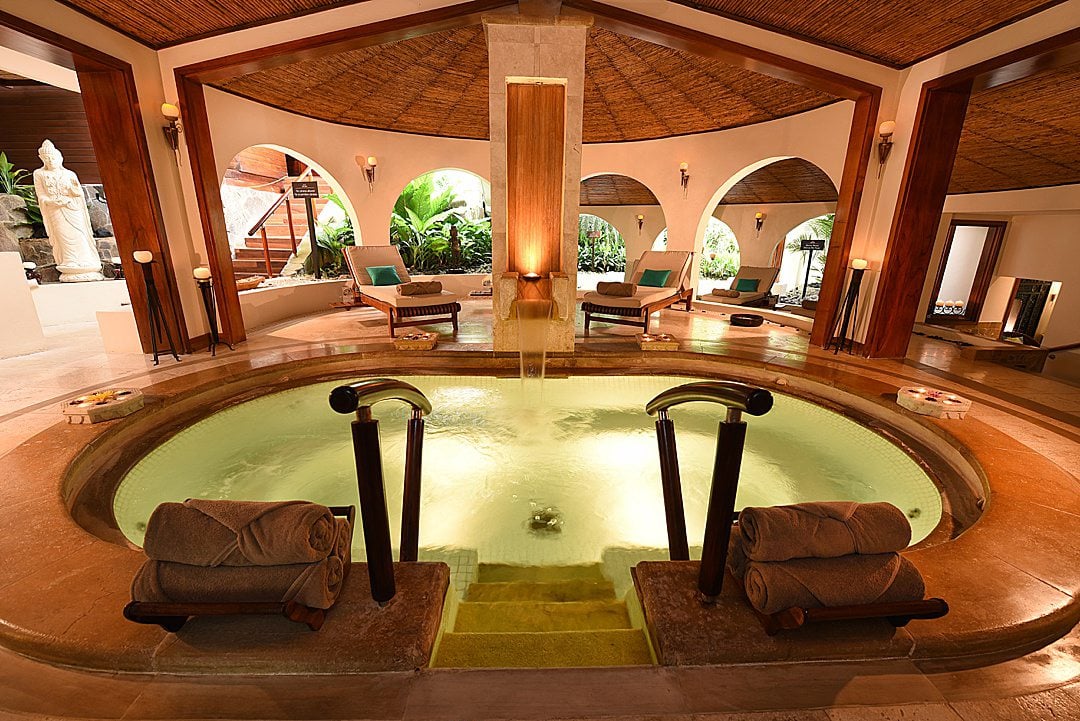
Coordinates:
<point>935,138</point>
<point>860,147</point>
<point>211,211</point>
<point>119,139</point>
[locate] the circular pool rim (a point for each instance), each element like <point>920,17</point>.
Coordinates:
<point>95,476</point>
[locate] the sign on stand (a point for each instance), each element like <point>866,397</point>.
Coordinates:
<point>810,246</point>
<point>308,190</point>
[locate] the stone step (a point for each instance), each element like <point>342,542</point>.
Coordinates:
<point>558,649</point>
<point>542,591</point>
<point>529,616</point>
<point>499,572</point>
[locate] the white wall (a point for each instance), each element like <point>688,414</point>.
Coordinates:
<point>624,218</point>
<point>780,219</point>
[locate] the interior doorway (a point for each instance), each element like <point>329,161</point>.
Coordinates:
<point>966,269</point>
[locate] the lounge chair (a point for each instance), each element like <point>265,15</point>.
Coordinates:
<point>400,310</point>
<point>637,310</point>
<point>765,278</point>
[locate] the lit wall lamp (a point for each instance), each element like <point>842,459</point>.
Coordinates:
<point>885,130</point>
<point>640,223</point>
<point>684,177</point>
<point>174,128</point>
<point>759,220</point>
<point>369,171</point>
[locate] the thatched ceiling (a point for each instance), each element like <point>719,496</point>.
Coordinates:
<point>437,84</point>
<point>897,33</point>
<point>1025,134</point>
<point>786,181</point>
<point>615,190</point>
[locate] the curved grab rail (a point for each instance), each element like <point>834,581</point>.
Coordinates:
<point>736,396</point>
<point>366,393</point>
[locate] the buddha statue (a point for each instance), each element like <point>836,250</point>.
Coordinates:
<point>66,219</point>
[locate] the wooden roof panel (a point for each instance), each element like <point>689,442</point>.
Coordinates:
<point>786,181</point>
<point>615,190</point>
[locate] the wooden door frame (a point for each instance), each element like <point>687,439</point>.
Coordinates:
<point>984,272</point>
<point>123,156</point>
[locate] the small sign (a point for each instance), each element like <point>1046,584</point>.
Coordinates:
<point>305,189</point>
<point>804,244</point>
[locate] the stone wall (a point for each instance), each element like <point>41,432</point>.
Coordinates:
<point>13,224</point>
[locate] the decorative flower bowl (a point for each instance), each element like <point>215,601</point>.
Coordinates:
<point>420,340</point>
<point>932,402</point>
<point>104,405</point>
<point>657,341</point>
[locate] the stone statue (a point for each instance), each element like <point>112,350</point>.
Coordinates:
<point>67,221</point>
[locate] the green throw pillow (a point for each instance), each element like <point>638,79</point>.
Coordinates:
<point>747,285</point>
<point>654,278</point>
<point>383,275</point>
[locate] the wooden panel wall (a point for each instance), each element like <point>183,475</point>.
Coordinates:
<point>535,136</point>
<point>30,114</point>
<point>256,166</point>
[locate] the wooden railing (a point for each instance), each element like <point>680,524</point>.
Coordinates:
<point>260,226</point>
<point>1060,348</point>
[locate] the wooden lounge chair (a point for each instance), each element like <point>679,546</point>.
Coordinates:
<point>637,309</point>
<point>766,277</point>
<point>400,310</point>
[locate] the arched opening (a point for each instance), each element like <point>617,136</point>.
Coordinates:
<point>601,252</point>
<point>805,250</point>
<point>720,258</point>
<point>441,223</point>
<point>660,243</point>
<point>620,215</point>
<point>759,208</point>
<point>268,226</point>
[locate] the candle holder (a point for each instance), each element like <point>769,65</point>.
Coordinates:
<point>949,308</point>
<point>848,316</point>
<point>206,287</point>
<point>145,259</point>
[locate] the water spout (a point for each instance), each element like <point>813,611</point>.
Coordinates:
<point>533,316</point>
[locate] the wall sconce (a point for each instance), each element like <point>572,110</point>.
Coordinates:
<point>684,177</point>
<point>885,130</point>
<point>640,223</point>
<point>173,129</point>
<point>759,220</point>
<point>369,171</point>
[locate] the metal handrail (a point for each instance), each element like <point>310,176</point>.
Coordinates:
<point>738,398</point>
<point>277,203</point>
<point>359,397</point>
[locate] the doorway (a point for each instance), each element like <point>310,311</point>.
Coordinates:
<point>966,269</point>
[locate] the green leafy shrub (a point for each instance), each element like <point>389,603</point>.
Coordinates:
<point>11,183</point>
<point>420,227</point>
<point>606,254</point>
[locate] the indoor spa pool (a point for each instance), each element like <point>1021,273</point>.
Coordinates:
<point>562,480</point>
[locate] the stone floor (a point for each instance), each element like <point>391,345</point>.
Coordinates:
<point>1041,413</point>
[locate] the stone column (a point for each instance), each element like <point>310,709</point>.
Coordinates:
<point>545,49</point>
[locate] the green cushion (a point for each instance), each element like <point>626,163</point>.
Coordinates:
<point>654,278</point>
<point>383,275</point>
<point>747,285</point>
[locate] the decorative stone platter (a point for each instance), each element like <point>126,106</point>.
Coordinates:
<point>104,405</point>
<point>932,402</point>
<point>657,341</point>
<point>420,340</point>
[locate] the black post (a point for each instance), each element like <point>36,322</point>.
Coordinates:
<point>806,280</point>
<point>725,484</point>
<point>849,312</point>
<point>678,547</point>
<point>309,206</point>
<point>410,503</point>
<point>373,513</point>
<point>157,314</point>
<point>207,289</point>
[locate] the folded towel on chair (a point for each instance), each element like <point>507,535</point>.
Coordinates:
<point>617,290</point>
<point>846,581</point>
<point>420,287</point>
<point>822,530</point>
<point>725,293</point>
<point>240,533</point>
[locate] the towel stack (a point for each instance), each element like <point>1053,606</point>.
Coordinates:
<point>813,555</point>
<point>243,551</point>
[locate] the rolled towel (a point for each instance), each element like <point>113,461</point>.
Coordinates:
<point>420,287</point>
<point>725,293</point>
<point>736,558</point>
<point>844,581</point>
<point>823,530</point>
<point>315,585</point>
<point>617,290</point>
<point>343,541</point>
<point>240,533</point>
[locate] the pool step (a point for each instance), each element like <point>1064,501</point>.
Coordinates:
<point>526,616</point>
<point>554,649</point>
<point>542,591</point>
<point>501,572</point>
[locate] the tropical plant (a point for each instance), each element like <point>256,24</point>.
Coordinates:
<point>820,227</point>
<point>11,184</point>
<point>720,252</point>
<point>603,254</point>
<point>422,227</point>
<point>331,238</point>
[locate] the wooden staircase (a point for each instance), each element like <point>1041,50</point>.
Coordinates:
<point>541,617</point>
<point>281,235</point>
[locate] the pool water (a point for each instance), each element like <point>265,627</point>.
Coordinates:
<point>521,480</point>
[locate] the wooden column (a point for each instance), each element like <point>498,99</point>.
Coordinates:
<point>119,139</point>
<point>860,148</point>
<point>935,137</point>
<point>211,212</point>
